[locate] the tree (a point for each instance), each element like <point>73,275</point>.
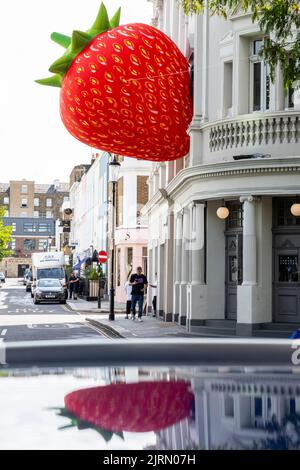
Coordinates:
<point>5,233</point>
<point>279,20</point>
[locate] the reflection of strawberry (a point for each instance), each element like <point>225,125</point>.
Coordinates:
<point>134,407</point>
<point>124,89</point>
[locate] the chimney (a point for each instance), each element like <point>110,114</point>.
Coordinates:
<point>56,184</point>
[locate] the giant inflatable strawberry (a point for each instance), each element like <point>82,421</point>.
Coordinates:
<point>124,89</point>
<point>133,407</point>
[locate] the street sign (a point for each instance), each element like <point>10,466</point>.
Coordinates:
<point>102,256</point>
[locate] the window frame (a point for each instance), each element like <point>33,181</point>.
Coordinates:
<point>32,241</point>
<point>23,203</point>
<point>264,77</point>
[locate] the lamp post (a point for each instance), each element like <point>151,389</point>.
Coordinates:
<point>114,168</point>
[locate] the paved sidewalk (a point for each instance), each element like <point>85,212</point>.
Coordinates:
<point>149,328</point>
<point>81,305</point>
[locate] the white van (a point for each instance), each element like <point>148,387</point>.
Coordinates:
<point>48,265</point>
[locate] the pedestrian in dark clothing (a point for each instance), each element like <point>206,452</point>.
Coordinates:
<point>73,285</point>
<point>139,283</point>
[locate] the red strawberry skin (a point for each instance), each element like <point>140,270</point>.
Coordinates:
<point>128,92</point>
<point>134,407</point>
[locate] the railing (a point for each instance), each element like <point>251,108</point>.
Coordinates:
<point>255,131</point>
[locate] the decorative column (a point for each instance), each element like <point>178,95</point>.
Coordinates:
<point>169,267</point>
<point>175,21</point>
<point>185,254</point>
<point>249,242</point>
<point>247,294</point>
<point>198,101</point>
<point>178,254</point>
<point>197,288</point>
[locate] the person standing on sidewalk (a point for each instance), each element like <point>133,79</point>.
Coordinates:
<point>139,283</point>
<point>73,285</point>
<point>154,295</point>
<point>128,290</point>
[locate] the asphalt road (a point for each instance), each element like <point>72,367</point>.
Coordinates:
<point>21,320</point>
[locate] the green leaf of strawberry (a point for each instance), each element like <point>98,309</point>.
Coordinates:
<point>77,43</point>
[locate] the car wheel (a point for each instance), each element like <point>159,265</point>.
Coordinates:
<point>35,301</point>
<point>63,302</point>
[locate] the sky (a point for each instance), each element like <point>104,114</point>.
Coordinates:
<point>28,422</point>
<point>34,143</point>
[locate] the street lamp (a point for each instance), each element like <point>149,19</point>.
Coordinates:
<point>114,168</point>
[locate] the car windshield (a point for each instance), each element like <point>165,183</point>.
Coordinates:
<point>46,273</point>
<point>49,283</point>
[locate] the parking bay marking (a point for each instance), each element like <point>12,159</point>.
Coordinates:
<point>56,326</point>
<point>3,332</point>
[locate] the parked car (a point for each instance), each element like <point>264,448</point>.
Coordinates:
<point>27,270</point>
<point>49,290</point>
<point>2,277</point>
<point>28,281</point>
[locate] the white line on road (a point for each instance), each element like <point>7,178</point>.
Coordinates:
<point>3,332</point>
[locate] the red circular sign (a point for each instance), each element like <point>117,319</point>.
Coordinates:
<point>102,256</point>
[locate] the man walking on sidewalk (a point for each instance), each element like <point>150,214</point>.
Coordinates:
<point>139,283</point>
<point>73,285</point>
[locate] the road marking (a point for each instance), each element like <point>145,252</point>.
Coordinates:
<point>2,352</point>
<point>3,332</point>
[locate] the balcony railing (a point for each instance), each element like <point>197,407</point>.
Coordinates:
<point>255,131</point>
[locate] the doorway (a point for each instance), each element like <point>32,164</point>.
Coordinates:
<point>21,269</point>
<point>233,257</point>
<point>286,262</point>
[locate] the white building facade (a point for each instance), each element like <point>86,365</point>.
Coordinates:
<point>91,203</point>
<point>238,275</point>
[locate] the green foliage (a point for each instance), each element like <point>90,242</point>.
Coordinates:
<point>68,270</point>
<point>93,275</point>
<point>279,20</point>
<point>76,43</point>
<point>5,233</point>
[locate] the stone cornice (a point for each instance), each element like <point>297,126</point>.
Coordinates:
<point>219,170</point>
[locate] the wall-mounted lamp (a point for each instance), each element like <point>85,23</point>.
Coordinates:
<point>223,212</point>
<point>295,209</point>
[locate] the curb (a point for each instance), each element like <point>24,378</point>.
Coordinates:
<point>91,311</point>
<point>105,329</point>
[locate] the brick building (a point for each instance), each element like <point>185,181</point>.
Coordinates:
<point>27,199</point>
<point>32,210</point>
